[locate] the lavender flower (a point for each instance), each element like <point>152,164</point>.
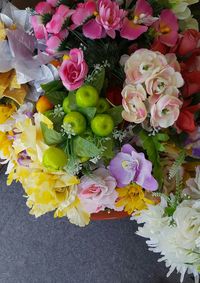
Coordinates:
<point>130,166</point>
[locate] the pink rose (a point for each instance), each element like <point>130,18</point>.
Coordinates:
<point>38,27</point>
<point>43,8</point>
<point>142,64</point>
<point>58,19</point>
<point>73,70</point>
<point>165,112</point>
<point>133,103</point>
<point>97,192</point>
<point>54,42</point>
<point>167,81</point>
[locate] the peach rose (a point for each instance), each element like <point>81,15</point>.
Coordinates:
<point>133,103</point>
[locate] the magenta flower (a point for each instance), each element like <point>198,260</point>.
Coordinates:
<point>54,42</point>
<point>130,166</point>
<point>73,70</point>
<point>38,27</point>
<point>58,19</point>
<point>43,8</point>
<point>167,28</point>
<point>53,3</point>
<point>141,18</point>
<point>106,18</point>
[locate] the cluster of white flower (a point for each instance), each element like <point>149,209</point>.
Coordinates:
<point>175,237</point>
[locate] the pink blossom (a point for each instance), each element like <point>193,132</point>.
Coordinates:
<point>53,3</point>
<point>165,112</point>
<point>138,24</point>
<point>167,28</point>
<point>167,81</point>
<point>133,103</point>
<point>55,41</point>
<point>97,192</point>
<point>58,19</point>
<point>107,18</point>
<point>38,27</point>
<point>142,64</point>
<point>43,8</point>
<point>73,70</point>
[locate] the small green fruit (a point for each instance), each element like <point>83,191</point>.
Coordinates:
<point>54,158</point>
<point>102,105</point>
<point>66,105</point>
<point>77,122</point>
<point>102,125</point>
<point>87,96</point>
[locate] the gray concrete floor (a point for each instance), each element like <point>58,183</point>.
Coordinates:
<point>45,250</point>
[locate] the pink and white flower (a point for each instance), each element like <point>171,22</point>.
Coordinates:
<point>58,19</point>
<point>96,192</point>
<point>133,103</point>
<point>141,19</point>
<point>142,64</point>
<point>73,70</point>
<point>166,111</point>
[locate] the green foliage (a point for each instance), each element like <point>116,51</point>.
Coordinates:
<point>116,114</point>
<point>51,137</point>
<point>56,120</point>
<point>153,145</point>
<point>88,112</point>
<point>55,92</point>
<point>85,148</point>
<point>46,18</point>
<point>108,152</point>
<point>176,165</point>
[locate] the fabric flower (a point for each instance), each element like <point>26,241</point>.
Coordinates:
<point>142,64</point>
<point>133,103</point>
<point>130,166</point>
<point>54,42</point>
<point>188,42</point>
<point>138,24</point>
<point>165,112</point>
<point>181,9</point>
<point>73,70</point>
<point>132,198</point>
<point>167,28</point>
<point>43,8</point>
<point>38,27</point>
<point>106,18</point>
<point>193,186</point>
<point>58,19</point>
<point>96,192</point>
<point>177,243</point>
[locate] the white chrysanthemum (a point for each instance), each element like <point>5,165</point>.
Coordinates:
<point>177,238</point>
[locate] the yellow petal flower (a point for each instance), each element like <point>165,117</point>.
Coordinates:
<point>132,198</point>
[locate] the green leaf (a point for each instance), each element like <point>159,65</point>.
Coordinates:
<point>108,153</point>
<point>89,112</point>
<point>162,137</point>
<point>85,148</point>
<point>57,120</point>
<point>116,114</point>
<point>97,80</point>
<point>56,97</point>
<point>177,164</point>
<point>150,144</point>
<point>51,137</point>
<point>52,86</point>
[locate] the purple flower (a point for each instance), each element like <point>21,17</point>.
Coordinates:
<point>130,166</point>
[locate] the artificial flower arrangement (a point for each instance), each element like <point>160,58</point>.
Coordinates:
<point>99,111</point>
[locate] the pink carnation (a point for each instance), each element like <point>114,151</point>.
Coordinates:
<point>54,42</point>
<point>98,191</point>
<point>43,8</point>
<point>38,27</point>
<point>73,70</point>
<point>52,2</point>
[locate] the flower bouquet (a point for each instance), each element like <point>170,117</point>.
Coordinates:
<point>99,116</point>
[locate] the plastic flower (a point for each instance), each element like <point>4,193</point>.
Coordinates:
<point>106,18</point>
<point>73,69</point>
<point>133,103</point>
<point>167,28</point>
<point>38,27</point>
<point>6,111</point>
<point>141,18</point>
<point>181,9</point>
<point>96,192</point>
<point>43,8</point>
<point>132,198</point>
<point>130,166</point>
<point>165,112</point>
<point>193,186</point>
<point>55,41</point>
<point>177,243</point>
<point>58,19</point>
<point>142,64</point>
